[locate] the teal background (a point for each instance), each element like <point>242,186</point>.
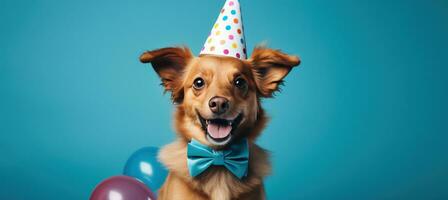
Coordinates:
<point>364,117</point>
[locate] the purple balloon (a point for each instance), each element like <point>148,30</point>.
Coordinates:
<point>122,188</point>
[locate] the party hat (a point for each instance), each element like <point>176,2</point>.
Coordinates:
<point>227,35</point>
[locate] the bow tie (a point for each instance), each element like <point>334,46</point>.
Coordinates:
<point>201,157</point>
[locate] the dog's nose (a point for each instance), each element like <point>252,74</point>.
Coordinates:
<point>218,105</point>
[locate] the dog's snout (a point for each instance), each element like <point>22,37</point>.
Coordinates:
<point>218,105</point>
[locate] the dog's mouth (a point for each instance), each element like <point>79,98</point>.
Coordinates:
<point>219,131</point>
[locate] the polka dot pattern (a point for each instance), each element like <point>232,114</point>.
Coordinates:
<point>227,35</point>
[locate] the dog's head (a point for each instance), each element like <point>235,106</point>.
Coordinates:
<point>217,97</point>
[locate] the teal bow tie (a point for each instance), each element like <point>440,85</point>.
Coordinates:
<point>201,157</point>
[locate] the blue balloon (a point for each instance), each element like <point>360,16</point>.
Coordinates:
<point>144,166</point>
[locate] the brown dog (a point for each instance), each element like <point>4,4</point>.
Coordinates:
<point>207,91</point>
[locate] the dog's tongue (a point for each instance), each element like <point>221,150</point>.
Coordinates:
<point>219,131</point>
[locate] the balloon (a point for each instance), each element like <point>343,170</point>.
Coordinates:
<point>144,166</point>
<point>122,188</point>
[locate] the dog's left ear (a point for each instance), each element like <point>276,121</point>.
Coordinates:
<point>169,63</point>
<point>269,67</point>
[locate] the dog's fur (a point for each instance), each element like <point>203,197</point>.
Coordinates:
<point>263,73</point>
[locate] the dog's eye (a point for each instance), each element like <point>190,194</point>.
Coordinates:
<point>198,83</point>
<point>240,82</point>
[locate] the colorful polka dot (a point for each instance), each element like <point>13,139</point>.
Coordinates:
<point>227,35</point>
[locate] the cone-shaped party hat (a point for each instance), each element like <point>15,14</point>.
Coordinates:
<point>227,35</point>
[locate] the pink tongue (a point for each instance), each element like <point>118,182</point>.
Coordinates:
<point>218,131</point>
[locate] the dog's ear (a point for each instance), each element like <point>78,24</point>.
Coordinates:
<point>169,63</point>
<point>269,67</point>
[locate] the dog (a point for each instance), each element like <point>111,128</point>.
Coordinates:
<point>217,100</point>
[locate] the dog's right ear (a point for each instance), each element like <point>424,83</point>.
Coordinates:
<point>169,63</point>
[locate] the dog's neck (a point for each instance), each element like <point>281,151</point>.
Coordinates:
<point>216,182</point>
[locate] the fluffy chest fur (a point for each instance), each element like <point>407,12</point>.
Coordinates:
<point>216,182</point>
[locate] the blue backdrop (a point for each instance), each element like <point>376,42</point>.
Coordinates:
<point>364,117</point>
